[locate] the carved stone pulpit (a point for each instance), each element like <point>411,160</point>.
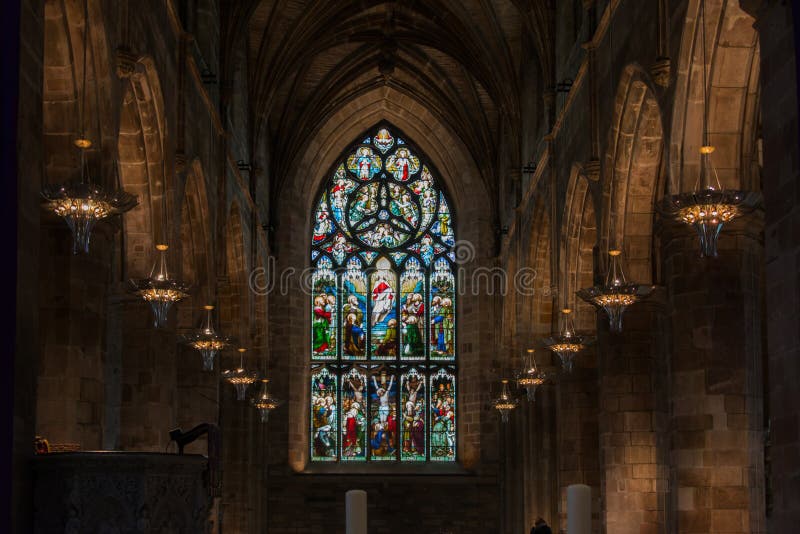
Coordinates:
<point>121,492</point>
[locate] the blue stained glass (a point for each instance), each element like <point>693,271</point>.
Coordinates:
<point>383,415</point>
<point>369,257</point>
<point>382,332</point>
<point>412,404</point>
<point>442,312</point>
<point>354,415</point>
<point>443,416</point>
<point>323,314</point>
<point>412,312</point>
<point>398,257</point>
<point>324,419</point>
<point>383,312</point>
<point>354,311</point>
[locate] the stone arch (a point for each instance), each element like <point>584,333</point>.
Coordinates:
<point>195,229</point>
<point>633,178</point>
<point>539,259</point>
<point>578,248</point>
<point>63,87</point>
<point>142,146</point>
<point>234,301</point>
<point>298,190</point>
<point>732,80</point>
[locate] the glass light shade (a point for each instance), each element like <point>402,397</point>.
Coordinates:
<point>81,205</point>
<point>265,402</point>
<point>505,402</point>
<point>159,289</point>
<point>709,206</point>
<point>207,340</point>
<point>240,378</point>
<point>530,377</point>
<point>567,343</point>
<point>616,294</point>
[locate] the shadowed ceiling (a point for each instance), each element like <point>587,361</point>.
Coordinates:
<point>459,60</point>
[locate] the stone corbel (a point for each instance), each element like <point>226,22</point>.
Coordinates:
<point>126,62</point>
<point>661,71</point>
<point>591,170</point>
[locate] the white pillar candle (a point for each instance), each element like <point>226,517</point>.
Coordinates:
<point>356,506</point>
<point>579,509</point>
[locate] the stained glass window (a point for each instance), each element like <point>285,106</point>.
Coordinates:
<point>383,300</point>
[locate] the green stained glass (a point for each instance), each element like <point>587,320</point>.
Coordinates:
<point>383,308</point>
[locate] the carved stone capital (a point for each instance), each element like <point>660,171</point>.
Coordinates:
<point>661,70</point>
<point>591,169</point>
<point>126,62</point>
<point>180,162</point>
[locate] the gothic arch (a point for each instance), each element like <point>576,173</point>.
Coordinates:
<point>62,88</point>
<point>732,62</point>
<point>578,244</point>
<point>234,295</point>
<point>142,145</point>
<point>632,181</point>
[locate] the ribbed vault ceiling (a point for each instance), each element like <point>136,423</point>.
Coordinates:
<point>458,59</point>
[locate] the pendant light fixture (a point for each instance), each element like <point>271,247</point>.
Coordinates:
<point>530,377</point>
<point>207,340</point>
<point>159,289</point>
<point>617,293</point>
<point>265,402</point>
<point>504,403</point>
<point>567,343</point>
<point>709,206</point>
<point>240,378</point>
<point>82,204</point>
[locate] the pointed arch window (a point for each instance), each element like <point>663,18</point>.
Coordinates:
<point>383,321</point>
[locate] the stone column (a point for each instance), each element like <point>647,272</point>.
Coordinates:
<point>716,425</point>
<point>148,377</point>
<point>631,422</point>
<point>779,32</point>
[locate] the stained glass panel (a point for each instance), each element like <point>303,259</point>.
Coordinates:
<point>353,311</point>
<point>324,420</point>
<point>383,312</point>
<point>412,312</point>
<point>354,420</point>
<point>412,403</point>
<point>402,164</point>
<point>383,309</point>
<point>323,319</point>
<point>442,310</point>
<point>443,416</point>
<point>383,415</point>
<point>364,163</point>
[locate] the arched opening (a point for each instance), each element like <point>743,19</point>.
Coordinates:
<point>633,175</point>
<point>730,57</point>
<point>141,146</point>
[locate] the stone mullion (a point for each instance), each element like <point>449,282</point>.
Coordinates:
<point>716,420</point>
<point>632,467</point>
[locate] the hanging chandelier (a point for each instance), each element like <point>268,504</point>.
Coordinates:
<point>265,402</point>
<point>530,377</point>
<point>82,204</point>
<point>709,206</point>
<point>159,289</point>
<point>505,402</point>
<point>616,294</point>
<point>207,340</point>
<point>240,378</point>
<point>567,343</point>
